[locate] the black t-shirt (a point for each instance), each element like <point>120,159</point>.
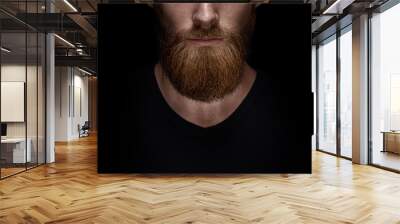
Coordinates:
<point>257,137</point>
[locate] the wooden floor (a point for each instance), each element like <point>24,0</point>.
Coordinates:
<point>387,159</point>
<point>5,172</point>
<point>70,191</point>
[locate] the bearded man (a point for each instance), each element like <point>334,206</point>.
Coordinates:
<point>202,108</point>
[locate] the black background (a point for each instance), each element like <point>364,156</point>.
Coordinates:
<point>127,39</point>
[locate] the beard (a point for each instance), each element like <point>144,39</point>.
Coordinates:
<point>204,73</point>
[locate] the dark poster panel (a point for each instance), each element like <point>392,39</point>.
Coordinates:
<point>140,131</point>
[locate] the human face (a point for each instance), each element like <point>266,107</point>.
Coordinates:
<point>203,46</point>
<point>183,17</point>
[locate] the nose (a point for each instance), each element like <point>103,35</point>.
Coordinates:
<point>205,15</point>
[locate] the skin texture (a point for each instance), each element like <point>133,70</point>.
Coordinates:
<point>183,17</point>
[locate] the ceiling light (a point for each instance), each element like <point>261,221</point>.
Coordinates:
<point>338,6</point>
<point>79,51</point>
<point>5,50</point>
<point>70,5</point>
<point>331,7</point>
<point>65,41</point>
<point>84,71</point>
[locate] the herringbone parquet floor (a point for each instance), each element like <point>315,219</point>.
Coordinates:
<point>70,191</point>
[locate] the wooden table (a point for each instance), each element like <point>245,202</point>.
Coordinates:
<point>391,141</point>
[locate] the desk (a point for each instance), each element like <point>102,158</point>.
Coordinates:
<point>13,150</point>
<point>391,141</point>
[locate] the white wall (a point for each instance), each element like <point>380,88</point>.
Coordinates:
<point>33,126</point>
<point>14,72</point>
<point>71,86</point>
<point>62,81</point>
<point>17,72</point>
<point>80,89</point>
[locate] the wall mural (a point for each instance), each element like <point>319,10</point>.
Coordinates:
<point>204,88</point>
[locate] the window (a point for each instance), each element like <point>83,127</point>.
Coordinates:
<point>385,88</point>
<point>327,95</point>
<point>346,93</point>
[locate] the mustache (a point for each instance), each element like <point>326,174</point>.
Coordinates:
<point>199,33</point>
<point>196,33</point>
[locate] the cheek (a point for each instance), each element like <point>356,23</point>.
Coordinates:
<point>234,17</point>
<point>176,17</point>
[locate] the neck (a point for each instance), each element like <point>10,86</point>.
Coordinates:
<point>205,114</point>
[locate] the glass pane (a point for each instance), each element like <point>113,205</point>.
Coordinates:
<point>313,84</point>
<point>31,100</point>
<point>327,96</point>
<point>346,94</point>
<point>31,84</point>
<point>41,98</point>
<point>14,153</point>
<point>386,88</point>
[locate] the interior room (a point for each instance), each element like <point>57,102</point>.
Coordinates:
<point>22,108</point>
<point>50,126</point>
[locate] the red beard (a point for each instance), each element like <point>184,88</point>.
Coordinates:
<point>204,73</point>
